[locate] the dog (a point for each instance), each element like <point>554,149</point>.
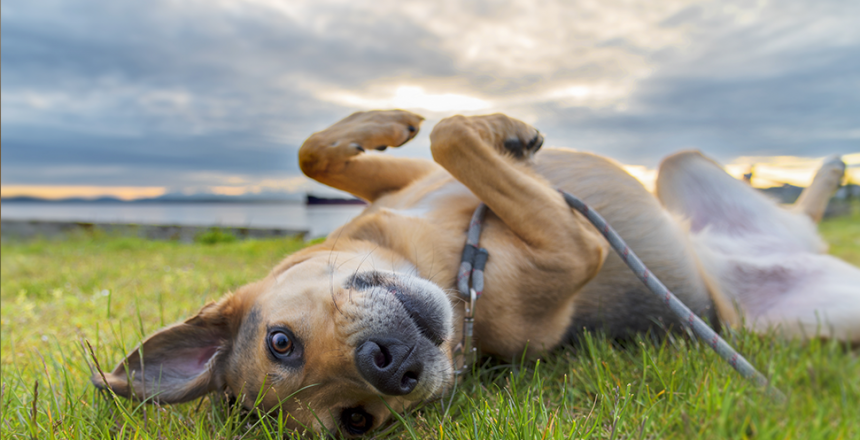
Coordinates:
<point>369,319</point>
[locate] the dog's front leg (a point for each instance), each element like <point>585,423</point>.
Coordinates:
<point>340,156</point>
<point>558,249</point>
<point>489,154</point>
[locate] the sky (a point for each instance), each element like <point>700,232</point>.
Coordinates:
<point>139,98</point>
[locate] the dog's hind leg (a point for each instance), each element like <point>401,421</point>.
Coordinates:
<point>766,259</point>
<point>695,187</point>
<point>813,200</point>
<point>340,156</point>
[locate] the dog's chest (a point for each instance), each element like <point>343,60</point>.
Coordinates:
<point>425,224</point>
<point>431,200</point>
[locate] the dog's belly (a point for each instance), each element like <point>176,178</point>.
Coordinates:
<point>615,301</point>
<point>794,292</point>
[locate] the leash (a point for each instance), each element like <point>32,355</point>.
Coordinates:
<point>470,284</point>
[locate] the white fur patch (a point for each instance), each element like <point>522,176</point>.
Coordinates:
<point>766,259</point>
<point>801,294</point>
<point>431,201</point>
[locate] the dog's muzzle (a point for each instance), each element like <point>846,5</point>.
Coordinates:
<point>399,352</point>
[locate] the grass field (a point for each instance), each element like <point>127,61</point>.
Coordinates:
<point>110,292</point>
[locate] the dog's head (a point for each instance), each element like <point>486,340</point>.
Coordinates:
<point>325,338</point>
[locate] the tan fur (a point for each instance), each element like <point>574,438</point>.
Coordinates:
<point>550,273</point>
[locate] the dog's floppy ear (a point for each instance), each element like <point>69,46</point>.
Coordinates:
<point>180,362</point>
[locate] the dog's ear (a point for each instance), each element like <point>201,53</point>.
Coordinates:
<point>180,362</point>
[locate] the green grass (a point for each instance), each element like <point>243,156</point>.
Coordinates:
<point>112,291</point>
<point>843,234</point>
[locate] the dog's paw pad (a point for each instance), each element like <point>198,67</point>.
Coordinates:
<point>520,150</point>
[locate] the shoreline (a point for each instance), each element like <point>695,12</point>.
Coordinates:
<point>25,229</point>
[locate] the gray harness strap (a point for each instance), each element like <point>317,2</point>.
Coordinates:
<point>474,259</point>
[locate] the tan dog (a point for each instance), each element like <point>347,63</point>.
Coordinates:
<point>370,317</point>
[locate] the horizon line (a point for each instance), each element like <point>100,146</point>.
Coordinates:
<point>770,171</point>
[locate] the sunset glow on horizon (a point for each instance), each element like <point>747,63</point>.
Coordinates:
<point>56,192</point>
<point>769,171</point>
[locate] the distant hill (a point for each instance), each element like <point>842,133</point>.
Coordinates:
<point>783,194</point>
<point>789,193</point>
<point>26,199</point>
<point>170,198</point>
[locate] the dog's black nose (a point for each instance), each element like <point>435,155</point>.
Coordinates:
<point>389,365</point>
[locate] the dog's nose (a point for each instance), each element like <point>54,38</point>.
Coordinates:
<point>389,365</point>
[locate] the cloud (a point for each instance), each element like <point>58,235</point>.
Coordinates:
<point>188,94</point>
<point>409,97</point>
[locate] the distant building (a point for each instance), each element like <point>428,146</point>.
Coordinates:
<point>841,204</point>
<point>786,193</point>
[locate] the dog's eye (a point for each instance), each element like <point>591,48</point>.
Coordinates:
<point>280,343</point>
<point>285,349</point>
<point>356,420</point>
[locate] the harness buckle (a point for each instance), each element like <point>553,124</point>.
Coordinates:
<point>467,347</point>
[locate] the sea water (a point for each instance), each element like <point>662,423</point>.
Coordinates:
<point>317,220</point>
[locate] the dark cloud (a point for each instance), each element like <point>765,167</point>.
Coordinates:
<point>182,86</point>
<point>745,93</point>
<point>162,43</point>
<point>153,93</point>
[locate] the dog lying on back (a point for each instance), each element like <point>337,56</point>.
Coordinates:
<point>370,317</point>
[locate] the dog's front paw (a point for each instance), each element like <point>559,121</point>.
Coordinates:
<point>377,130</point>
<point>507,135</point>
<point>521,149</point>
